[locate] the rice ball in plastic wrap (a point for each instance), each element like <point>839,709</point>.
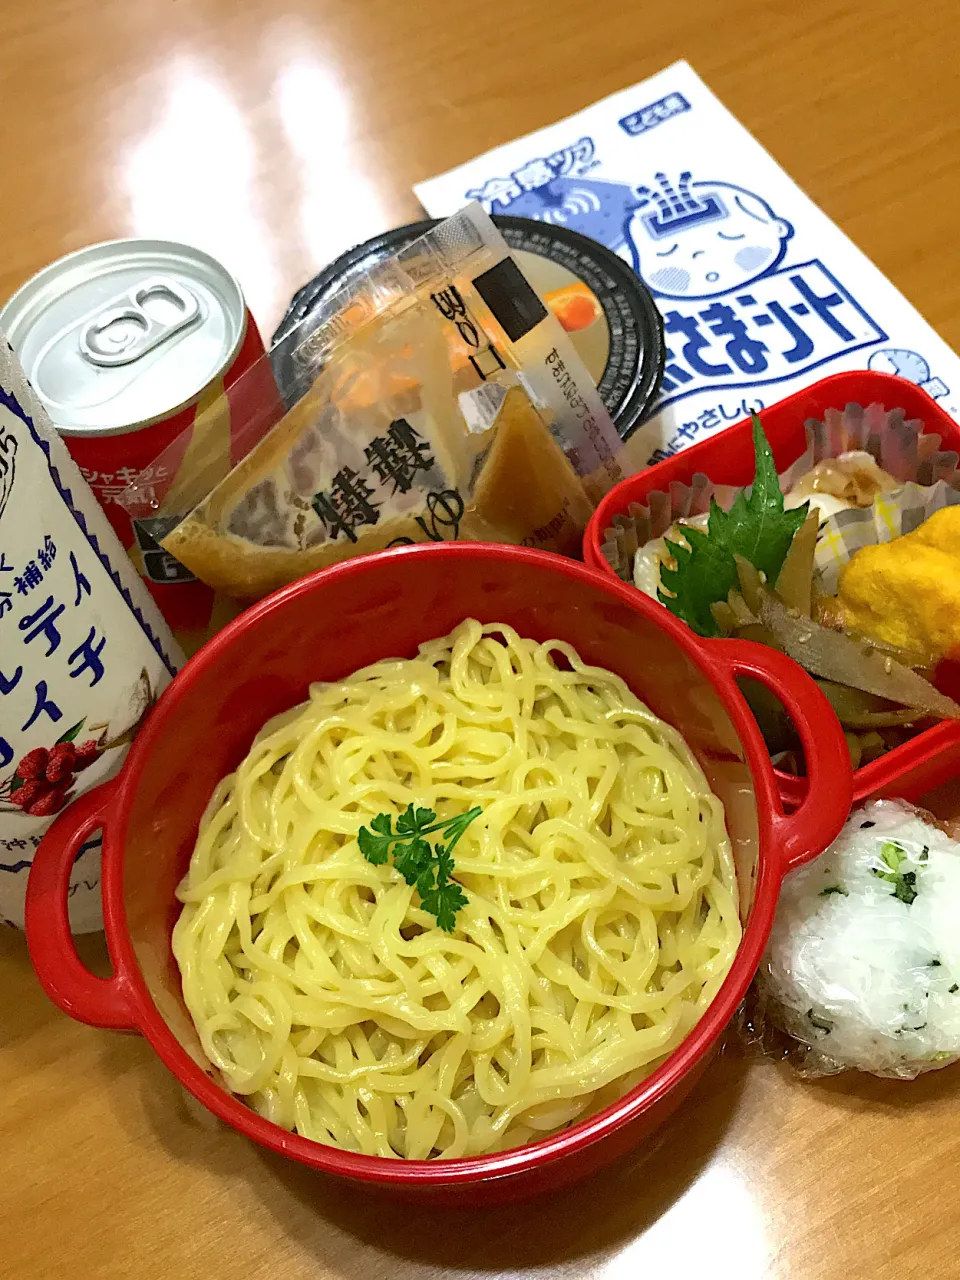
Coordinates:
<point>863,963</point>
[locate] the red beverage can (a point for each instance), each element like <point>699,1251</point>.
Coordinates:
<point>126,343</point>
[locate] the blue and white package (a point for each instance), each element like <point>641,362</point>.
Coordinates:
<point>761,294</point>
<point>84,652</point>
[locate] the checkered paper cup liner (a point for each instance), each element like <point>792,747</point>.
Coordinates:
<point>928,474</point>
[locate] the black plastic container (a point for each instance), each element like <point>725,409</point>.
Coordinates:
<point>609,315</point>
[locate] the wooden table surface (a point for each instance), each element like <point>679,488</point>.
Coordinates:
<point>276,136</point>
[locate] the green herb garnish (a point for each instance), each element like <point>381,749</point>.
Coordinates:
<point>427,866</point>
<point>757,528</point>
<point>952,991</point>
<point>904,882</point>
<point>833,888</point>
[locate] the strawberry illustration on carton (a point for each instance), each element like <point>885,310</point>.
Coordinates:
<point>43,781</point>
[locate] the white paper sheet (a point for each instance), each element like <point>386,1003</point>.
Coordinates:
<point>761,294</point>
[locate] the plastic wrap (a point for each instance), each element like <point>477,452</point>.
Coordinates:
<point>862,969</point>
<point>440,400</point>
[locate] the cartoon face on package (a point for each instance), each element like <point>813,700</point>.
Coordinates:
<point>448,405</point>
<point>701,239</point>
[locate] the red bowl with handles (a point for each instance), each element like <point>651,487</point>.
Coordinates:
<point>323,628</point>
<point>933,756</point>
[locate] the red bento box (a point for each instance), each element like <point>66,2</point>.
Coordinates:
<point>932,757</point>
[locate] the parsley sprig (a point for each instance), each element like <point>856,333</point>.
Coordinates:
<point>756,527</point>
<point>429,867</point>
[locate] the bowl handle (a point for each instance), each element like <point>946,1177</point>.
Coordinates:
<point>807,831</point>
<point>101,1002</point>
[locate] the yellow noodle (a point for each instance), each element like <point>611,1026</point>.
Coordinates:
<point>601,916</point>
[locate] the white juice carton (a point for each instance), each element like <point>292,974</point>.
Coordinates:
<point>84,653</point>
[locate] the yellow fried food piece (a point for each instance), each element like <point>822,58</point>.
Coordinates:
<point>907,592</point>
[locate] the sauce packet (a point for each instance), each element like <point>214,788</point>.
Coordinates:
<point>439,400</point>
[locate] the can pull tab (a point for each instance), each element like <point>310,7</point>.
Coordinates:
<point>135,322</point>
